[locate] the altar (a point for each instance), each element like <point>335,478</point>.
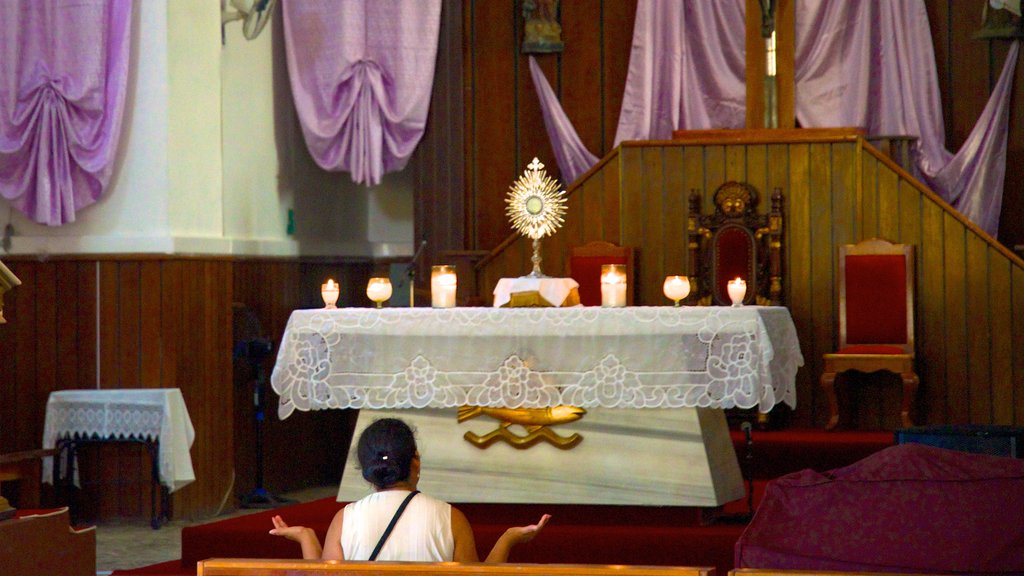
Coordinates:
<point>652,381</point>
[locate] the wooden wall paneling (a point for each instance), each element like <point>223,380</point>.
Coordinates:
<point>674,212</point>
<point>969,69</point>
<point>150,320</point>
<point>611,190</point>
<point>191,381</point>
<point>47,333</point>
<point>1017,294</point>
<point>495,48</point>
<point>736,163</point>
<point>633,213</point>
<point>27,332</point>
<point>128,325</point>
<point>888,205</point>
<point>715,175</point>
<point>910,205</point>
<point>617,42</point>
<point>693,179</point>
<point>580,70</point>
<point>957,395</point>
<point>1000,300</point>
<point>68,296</point>
<point>798,248</point>
<point>823,256</point>
<point>531,136</point>
<point>556,247</point>
<point>757,175</point>
<point>591,215</point>
<point>109,315</point>
<point>868,213</point>
<point>979,332</point>
<point>1011,219</point>
<point>9,369</point>
<point>930,340</point>
<point>650,267</point>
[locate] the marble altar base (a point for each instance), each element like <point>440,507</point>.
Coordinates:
<point>657,457</point>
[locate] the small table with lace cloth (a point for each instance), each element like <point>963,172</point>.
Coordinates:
<point>600,359</point>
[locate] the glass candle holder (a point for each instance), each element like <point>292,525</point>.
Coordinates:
<point>330,291</point>
<point>378,290</point>
<point>676,288</point>
<point>442,286</point>
<point>737,291</point>
<point>613,285</point>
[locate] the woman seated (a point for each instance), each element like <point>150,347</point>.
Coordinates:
<point>428,530</point>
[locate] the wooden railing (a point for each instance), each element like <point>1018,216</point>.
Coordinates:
<point>247,567</point>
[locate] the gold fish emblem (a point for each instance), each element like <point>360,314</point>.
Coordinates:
<point>535,420</point>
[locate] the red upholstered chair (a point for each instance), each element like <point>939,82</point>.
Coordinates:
<point>585,268</point>
<point>736,242</point>
<point>876,318</point>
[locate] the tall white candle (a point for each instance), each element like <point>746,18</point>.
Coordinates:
<point>737,291</point>
<point>613,285</point>
<point>443,283</point>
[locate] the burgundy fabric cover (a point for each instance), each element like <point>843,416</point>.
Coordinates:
<point>586,270</point>
<point>871,349</point>
<point>876,299</point>
<point>908,508</point>
<point>734,258</point>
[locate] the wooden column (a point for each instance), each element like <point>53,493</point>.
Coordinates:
<point>785,50</point>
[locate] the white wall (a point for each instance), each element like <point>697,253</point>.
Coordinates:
<point>212,158</point>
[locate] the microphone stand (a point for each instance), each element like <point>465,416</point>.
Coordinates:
<point>410,272</point>
<point>748,468</point>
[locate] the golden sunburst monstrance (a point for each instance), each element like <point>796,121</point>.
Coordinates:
<point>536,207</point>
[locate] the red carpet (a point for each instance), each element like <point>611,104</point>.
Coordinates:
<point>577,534</point>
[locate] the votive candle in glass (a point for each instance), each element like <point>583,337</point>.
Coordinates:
<point>737,291</point>
<point>442,286</point>
<point>613,285</point>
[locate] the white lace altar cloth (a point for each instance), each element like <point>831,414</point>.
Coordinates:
<point>129,414</point>
<point>634,357</point>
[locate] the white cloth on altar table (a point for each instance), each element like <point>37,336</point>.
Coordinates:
<point>554,290</point>
<point>155,414</point>
<point>632,357</point>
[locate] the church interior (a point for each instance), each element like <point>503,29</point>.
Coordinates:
<point>195,196</point>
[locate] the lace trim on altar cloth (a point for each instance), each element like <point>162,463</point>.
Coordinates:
<point>533,359</point>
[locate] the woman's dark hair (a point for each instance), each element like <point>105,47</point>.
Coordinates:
<point>386,449</point>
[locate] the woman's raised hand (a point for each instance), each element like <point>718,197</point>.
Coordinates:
<point>523,534</point>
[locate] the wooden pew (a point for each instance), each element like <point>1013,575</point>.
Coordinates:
<point>766,572</point>
<point>246,567</point>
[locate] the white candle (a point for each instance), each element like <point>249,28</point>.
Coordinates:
<point>613,285</point>
<point>676,288</point>
<point>737,291</point>
<point>378,290</point>
<point>330,291</point>
<point>442,287</point>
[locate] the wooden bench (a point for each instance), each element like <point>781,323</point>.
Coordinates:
<point>781,572</point>
<point>246,567</point>
<point>25,467</point>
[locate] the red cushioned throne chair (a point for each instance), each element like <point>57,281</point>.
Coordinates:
<point>736,242</point>
<point>876,319</point>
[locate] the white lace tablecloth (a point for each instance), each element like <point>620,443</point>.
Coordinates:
<point>634,357</point>
<point>131,414</point>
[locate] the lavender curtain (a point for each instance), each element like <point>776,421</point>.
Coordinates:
<point>361,75</point>
<point>572,156</point>
<point>687,69</point>
<point>63,80</point>
<point>872,65</point>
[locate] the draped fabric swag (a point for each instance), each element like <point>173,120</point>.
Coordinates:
<point>63,81</point>
<point>361,76</point>
<point>869,64</point>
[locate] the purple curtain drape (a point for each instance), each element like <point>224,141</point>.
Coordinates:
<point>361,76</point>
<point>63,80</point>
<point>869,64</point>
<point>872,65</point>
<point>687,70</point>
<point>572,156</point>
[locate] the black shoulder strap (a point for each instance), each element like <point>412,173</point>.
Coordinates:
<point>391,526</point>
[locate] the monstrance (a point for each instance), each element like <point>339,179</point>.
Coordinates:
<point>536,207</point>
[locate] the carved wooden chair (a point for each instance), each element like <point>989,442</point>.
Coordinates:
<point>736,242</point>
<point>585,268</point>
<point>876,318</point>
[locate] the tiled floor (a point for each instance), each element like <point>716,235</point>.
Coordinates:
<point>131,544</point>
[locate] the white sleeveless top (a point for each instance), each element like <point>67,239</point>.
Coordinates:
<point>422,534</point>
